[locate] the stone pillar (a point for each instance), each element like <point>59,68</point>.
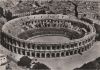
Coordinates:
<point>31,53</point>
<point>78,44</point>
<point>16,50</point>
<point>13,48</point>
<point>21,51</point>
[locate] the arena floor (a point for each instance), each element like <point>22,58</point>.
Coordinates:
<point>50,39</point>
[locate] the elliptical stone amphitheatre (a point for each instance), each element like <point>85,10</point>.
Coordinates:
<point>17,35</point>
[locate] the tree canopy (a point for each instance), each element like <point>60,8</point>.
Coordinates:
<point>39,65</point>
<point>24,61</point>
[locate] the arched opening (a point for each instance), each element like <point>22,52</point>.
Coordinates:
<point>14,42</point>
<point>67,46</point>
<point>33,46</point>
<point>58,47</point>
<point>43,55</point>
<point>38,47</point>
<point>28,53</point>
<point>43,47</point>
<point>62,54</point>
<point>53,54</point>
<point>14,49</point>
<point>53,48</point>
<point>11,48</point>
<point>18,43</point>
<point>79,50</point>
<point>88,46</point>
<point>71,52</point>
<point>75,51</point>
<point>67,53</point>
<point>38,54</point>
<point>75,44</point>
<point>48,47</point>
<point>63,47</point>
<point>79,43</point>
<point>23,52</point>
<point>85,48</point>
<point>33,54</point>
<point>19,51</point>
<point>82,49</point>
<point>58,55</point>
<point>7,46</point>
<point>48,55</point>
<point>23,44</point>
<point>72,45</point>
<point>28,46</point>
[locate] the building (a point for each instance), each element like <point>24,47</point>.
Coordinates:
<point>3,62</point>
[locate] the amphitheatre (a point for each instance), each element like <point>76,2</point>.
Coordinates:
<point>19,37</point>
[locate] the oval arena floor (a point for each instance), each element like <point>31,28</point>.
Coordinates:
<point>50,39</point>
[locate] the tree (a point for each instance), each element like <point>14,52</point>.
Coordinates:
<point>8,15</point>
<point>1,11</point>
<point>40,66</point>
<point>24,61</point>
